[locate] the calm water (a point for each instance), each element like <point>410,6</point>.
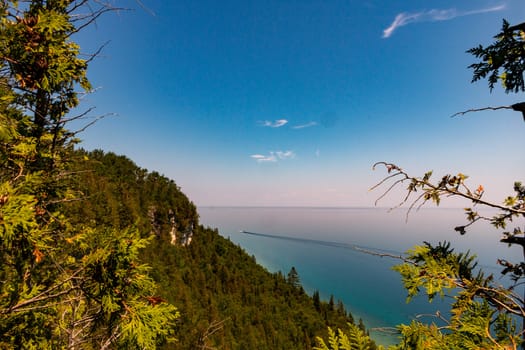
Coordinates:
<point>365,283</point>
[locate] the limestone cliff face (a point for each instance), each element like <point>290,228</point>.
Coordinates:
<point>183,237</point>
<point>180,231</point>
<point>180,235</point>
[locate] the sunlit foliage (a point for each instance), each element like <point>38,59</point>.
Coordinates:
<point>62,285</point>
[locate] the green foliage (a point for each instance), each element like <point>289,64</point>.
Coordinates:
<point>503,60</point>
<point>436,269</point>
<point>64,283</point>
<point>472,332</point>
<point>226,300</point>
<point>354,339</point>
<point>485,312</point>
<point>480,316</point>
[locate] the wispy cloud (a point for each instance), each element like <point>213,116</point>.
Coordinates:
<point>302,126</point>
<point>274,124</point>
<point>262,159</point>
<point>433,15</point>
<point>273,157</point>
<point>285,155</point>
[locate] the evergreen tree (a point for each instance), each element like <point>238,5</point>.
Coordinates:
<point>317,300</point>
<point>63,285</point>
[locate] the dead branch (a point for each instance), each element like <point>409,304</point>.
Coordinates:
<point>79,116</point>
<point>437,315</point>
<point>479,110</point>
<point>92,15</point>
<point>97,53</point>
<point>213,328</point>
<point>518,107</point>
<point>47,294</point>
<point>74,133</point>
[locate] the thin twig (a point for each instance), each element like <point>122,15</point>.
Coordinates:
<point>74,133</point>
<point>427,187</point>
<point>437,315</point>
<point>480,109</point>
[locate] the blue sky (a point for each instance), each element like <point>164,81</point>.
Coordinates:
<point>289,103</point>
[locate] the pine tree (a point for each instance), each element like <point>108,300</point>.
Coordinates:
<point>317,300</point>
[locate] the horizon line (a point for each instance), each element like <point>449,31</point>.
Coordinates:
<point>320,207</point>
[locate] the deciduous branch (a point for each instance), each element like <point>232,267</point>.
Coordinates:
<point>448,186</point>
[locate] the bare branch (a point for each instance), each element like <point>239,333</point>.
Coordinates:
<point>92,15</point>
<point>21,306</point>
<point>518,107</point>
<point>99,50</point>
<point>388,189</point>
<point>384,180</point>
<point>46,295</point>
<point>213,328</point>
<point>91,123</point>
<point>77,5</point>
<point>80,116</point>
<point>46,306</point>
<point>413,205</point>
<point>437,315</point>
<point>479,110</point>
<point>513,305</point>
<point>148,10</point>
<point>441,189</point>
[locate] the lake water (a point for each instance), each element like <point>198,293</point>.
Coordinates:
<point>320,243</point>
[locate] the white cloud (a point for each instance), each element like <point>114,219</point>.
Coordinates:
<point>262,159</point>
<point>274,124</point>
<point>489,9</point>
<point>401,19</point>
<point>285,155</point>
<point>433,15</point>
<point>273,157</point>
<point>307,125</point>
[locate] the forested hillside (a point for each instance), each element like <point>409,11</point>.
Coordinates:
<point>97,253</point>
<point>226,300</point>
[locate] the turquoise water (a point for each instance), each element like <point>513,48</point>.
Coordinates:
<point>321,242</point>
